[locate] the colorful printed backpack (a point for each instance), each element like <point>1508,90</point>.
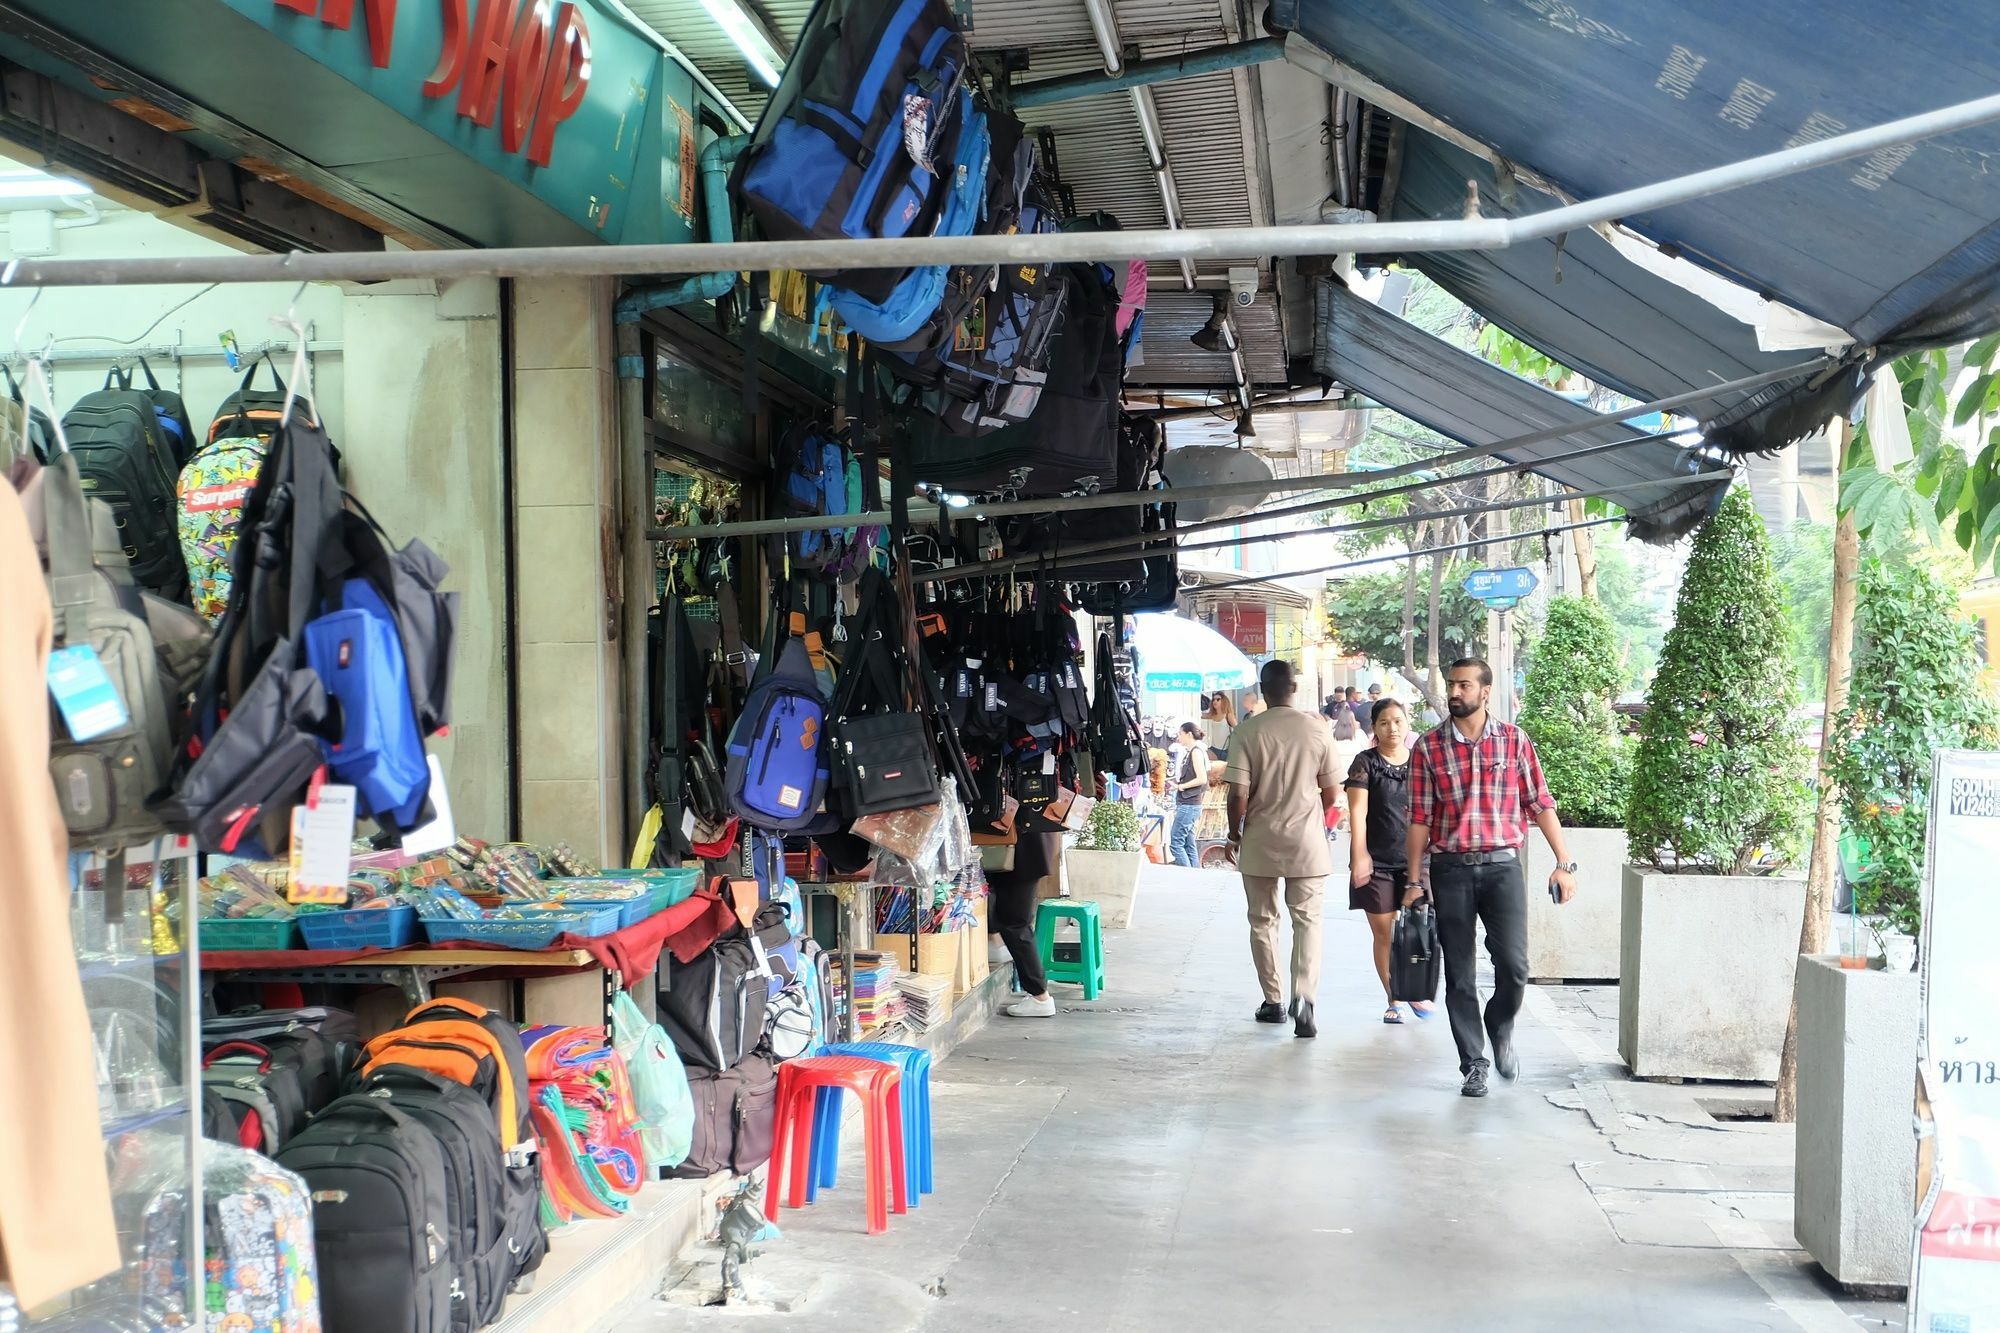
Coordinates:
<point>213,488</point>
<point>260,1271</point>
<point>587,1121</point>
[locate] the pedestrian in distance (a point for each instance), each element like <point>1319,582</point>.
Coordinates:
<point>1189,763</point>
<point>1359,707</point>
<point>1283,779</point>
<point>1475,785</point>
<point>1378,815</point>
<point>1218,720</point>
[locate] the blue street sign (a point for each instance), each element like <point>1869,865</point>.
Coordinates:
<point>1511,585</point>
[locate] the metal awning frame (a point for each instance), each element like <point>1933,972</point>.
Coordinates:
<point>1417,553</point>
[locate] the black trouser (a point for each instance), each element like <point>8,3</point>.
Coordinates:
<point>1491,893</point>
<point>1013,906</point>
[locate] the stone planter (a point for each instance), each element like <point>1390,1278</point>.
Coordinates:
<point>1109,878</point>
<point>1705,976</point>
<point>1577,941</point>
<point>1854,1188</point>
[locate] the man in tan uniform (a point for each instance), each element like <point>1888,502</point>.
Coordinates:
<point>1283,778</point>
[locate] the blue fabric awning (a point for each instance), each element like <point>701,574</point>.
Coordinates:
<point>1901,249</point>
<point>1468,399</point>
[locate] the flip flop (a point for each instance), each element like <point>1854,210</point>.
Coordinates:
<point>1392,1015</point>
<point>1423,1013</point>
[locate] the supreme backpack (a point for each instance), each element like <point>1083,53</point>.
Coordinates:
<point>127,459</point>
<point>855,141</point>
<point>776,771</point>
<point>213,490</point>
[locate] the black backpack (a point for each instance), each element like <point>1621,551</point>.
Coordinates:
<point>128,459</point>
<point>171,411</point>
<point>713,1008</point>
<point>252,412</point>
<point>1115,744</point>
<point>382,1194</point>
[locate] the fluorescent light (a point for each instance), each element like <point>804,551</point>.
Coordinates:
<point>39,186</point>
<point>749,37</point>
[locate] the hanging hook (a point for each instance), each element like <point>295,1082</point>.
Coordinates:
<point>300,384</point>
<point>21,328</point>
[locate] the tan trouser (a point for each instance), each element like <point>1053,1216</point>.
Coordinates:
<point>1302,896</point>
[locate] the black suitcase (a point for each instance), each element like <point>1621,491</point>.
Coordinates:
<point>1415,961</point>
<point>382,1222</point>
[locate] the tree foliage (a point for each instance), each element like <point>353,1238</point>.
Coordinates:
<point>1503,349</point>
<point>1366,616</point>
<point>1638,616</point>
<point>1803,557</point>
<point>1566,709</point>
<point>1719,783</point>
<point>1914,689</point>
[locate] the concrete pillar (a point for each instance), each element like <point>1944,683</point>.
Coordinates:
<point>565,450</point>
<point>421,442</point>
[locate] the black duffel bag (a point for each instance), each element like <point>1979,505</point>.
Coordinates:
<point>1415,960</point>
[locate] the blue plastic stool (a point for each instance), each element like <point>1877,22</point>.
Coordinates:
<point>1088,970</point>
<point>915,1062</point>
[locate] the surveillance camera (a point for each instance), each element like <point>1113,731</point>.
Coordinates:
<point>1243,286</point>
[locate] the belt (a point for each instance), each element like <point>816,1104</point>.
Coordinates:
<point>1493,857</point>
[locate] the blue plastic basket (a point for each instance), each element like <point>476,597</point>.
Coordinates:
<point>361,928</point>
<point>538,933</point>
<point>631,911</point>
<point>603,919</point>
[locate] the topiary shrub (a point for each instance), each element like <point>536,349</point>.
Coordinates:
<point>1719,782</point>
<point>1113,827</point>
<point>1915,689</point>
<point>1566,710</point>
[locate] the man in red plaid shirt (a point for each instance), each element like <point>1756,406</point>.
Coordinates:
<point>1475,785</point>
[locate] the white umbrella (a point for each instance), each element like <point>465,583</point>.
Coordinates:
<point>1178,654</point>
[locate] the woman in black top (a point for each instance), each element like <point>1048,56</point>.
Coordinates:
<point>1378,806</point>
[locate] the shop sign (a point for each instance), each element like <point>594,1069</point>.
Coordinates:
<point>1168,682</point>
<point>1955,1273</point>
<point>1246,625</point>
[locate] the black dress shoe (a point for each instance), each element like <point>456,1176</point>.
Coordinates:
<point>1303,1014</point>
<point>1505,1063</point>
<point>1475,1083</point>
<point>1270,1012</point>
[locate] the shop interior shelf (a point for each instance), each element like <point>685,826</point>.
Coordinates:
<point>361,928</point>
<point>248,934</point>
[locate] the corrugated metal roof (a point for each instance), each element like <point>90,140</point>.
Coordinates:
<point>1172,318</point>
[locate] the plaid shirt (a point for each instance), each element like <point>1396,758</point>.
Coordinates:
<point>1476,796</point>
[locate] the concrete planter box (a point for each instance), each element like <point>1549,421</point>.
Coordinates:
<point>1705,977</point>
<point>1855,1181</point>
<point>1110,878</point>
<point>1577,941</point>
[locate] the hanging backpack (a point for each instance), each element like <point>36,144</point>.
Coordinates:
<point>1131,281</point>
<point>776,774</point>
<point>213,490</point>
<point>855,142</point>
<point>355,650</point>
<point>169,408</point>
<point>1114,741</point>
<point>812,475</point>
<point>127,459</point>
<point>250,411</point>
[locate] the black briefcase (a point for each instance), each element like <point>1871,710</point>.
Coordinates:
<point>1415,961</point>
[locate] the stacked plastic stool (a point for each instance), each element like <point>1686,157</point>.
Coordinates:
<point>915,1064</point>
<point>880,1087</point>
<point>1088,970</point>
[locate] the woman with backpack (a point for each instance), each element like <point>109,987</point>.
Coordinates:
<point>1190,784</point>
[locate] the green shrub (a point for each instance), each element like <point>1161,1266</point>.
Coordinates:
<point>1915,689</point>
<point>1566,709</point>
<point>1113,827</point>
<point>1719,783</point>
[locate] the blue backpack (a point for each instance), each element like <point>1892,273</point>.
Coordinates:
<point>776,775</point>
<point>358,656</point>
<point>812,475</point>
<point>850,143</point>
<point>902,320</point>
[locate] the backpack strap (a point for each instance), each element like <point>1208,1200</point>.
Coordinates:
<point>73,582</point>
<point>152,382</point>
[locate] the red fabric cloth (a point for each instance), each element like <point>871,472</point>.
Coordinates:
<point>1476,796</point>
<point>687,928</point>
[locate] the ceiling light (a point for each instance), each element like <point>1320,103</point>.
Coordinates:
<point>1209,337</point>
<point>749,37</point>
<point>39,186</point>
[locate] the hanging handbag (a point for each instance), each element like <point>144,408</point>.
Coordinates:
<point>882,752</point>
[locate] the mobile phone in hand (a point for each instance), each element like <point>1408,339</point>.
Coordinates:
<point>1555,891</point>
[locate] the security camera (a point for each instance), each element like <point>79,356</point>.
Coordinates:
<point>1243,286</point>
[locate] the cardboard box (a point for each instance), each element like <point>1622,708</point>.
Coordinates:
<point>937,955</point>
<point>972,965</point>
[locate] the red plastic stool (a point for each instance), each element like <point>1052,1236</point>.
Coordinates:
<point>880,1087</point>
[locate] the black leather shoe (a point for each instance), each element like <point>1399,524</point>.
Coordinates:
<point>1270,1012</point>
<point>1505,1063</point>
<point>1475,1083</point>
<point>1303,1014</point>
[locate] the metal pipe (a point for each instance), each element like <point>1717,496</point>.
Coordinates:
<point>1141,73</point>
<point>1039,247</point>
<point>1397,555</point>
<point>716,160</point>
<point>1343,181</point>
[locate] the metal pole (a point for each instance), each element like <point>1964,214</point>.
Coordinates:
<point>1140,73</point>
<point>1060,247</point>
<point>1398,555</point>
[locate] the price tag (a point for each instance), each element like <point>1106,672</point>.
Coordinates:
<point>687,826</point>
<point>441,832</point>
<point>322,846</point>
<point>84,694</point>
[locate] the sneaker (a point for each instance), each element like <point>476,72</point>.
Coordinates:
<point>996,952</point>
<point>1475,1083</point>
<point>1029,1007</point>
<point>1270,1012</point>
<point>1505,1063</point>
<point>1303,1014</point>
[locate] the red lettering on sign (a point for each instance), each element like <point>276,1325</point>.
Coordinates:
<point>381,25</point>
<point>451,59</point>
<point>479,95</point>
<point>563,83</point>
<point>300,6</point>
<point>524,75</point>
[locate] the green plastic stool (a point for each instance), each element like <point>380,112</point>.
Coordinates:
<point>1088,970</point>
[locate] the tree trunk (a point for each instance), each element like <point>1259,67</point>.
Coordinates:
<point>1436,690</point>
<point>1584,543</point>
<point>1410,673</point>
<point>1826,819</point>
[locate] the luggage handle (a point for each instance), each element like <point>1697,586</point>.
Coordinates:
<point>229,1048</point>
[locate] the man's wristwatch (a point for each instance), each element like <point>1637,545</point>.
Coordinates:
<point>1567,867</point>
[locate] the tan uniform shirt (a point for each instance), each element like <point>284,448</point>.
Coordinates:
<point>1284,757</point>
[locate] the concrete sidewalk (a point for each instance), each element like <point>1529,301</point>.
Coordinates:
<point>1156,1160</point>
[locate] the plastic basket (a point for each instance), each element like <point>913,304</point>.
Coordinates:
<point>631,911</point>
<point>538,933</point>
<point>361,928</point>
<point>606,918</point>
<point>249,934</point>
